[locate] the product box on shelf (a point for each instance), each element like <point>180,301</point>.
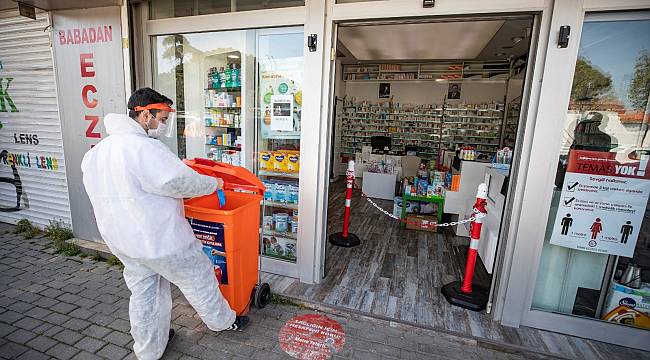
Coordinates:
<point>280,247</point>
<point>267,161</point>
<point>629,306</point>
<point>293,161</point>
<point>280,161</point>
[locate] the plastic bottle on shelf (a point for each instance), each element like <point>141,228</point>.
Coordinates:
<point>233,76</point>
<point>228,76</point>
<point>222,78</point>
<point>216,82</point>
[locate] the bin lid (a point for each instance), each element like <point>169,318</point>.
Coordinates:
<point>234,177</point>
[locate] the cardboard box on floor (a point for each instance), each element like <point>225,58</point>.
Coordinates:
<point>422,222</point>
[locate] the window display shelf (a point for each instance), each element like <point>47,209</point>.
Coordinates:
<point>279,174</point>
<point>285,234</point>
<point>226,89</point>
<point>223,127</point>
<point>223,107</point>
<point>281,205</point>
<point>225,146</point>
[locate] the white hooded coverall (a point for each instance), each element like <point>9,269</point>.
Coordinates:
<point>136,186</point>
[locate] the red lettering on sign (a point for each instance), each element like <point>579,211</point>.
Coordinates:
<point>108,33</point>
<point>84,36</point>
<point>77,36</point>
<point>70,40</point>
<point>85,65</point>
<point>84,96</point>
<point>90,132</point>
<point>100,34</point>
<point>62,37</point>
<point>92,35</point>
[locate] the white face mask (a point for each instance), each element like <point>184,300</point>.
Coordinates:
<point>157,132</point>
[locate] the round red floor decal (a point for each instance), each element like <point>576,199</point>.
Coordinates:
<point>312,337</point>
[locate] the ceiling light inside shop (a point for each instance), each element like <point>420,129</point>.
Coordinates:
<point>233,56</point>
<point>451,40</point>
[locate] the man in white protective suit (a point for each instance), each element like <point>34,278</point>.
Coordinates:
<point>136,186</point>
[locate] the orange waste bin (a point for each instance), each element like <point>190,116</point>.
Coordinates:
<point>231,234</point>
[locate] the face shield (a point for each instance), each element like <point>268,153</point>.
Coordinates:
<point>165,126</point>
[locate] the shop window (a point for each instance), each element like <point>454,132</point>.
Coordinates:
<point>162,9</point>
<point>596,255</point>
<point>238,96</point>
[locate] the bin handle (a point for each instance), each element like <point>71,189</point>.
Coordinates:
<point>208,166</point>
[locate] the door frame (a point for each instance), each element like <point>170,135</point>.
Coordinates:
<point>311,17</point>
<point>519,277</point>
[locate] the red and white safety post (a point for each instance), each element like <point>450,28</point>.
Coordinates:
<point>462,294</point>
<point>345,238</point>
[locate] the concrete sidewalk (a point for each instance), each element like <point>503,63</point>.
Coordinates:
<point>52,306</point>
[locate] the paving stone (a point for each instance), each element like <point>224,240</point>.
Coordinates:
<point>56,319</point>
<point>84,355</point>
<point>68,336</point>
<point>76,324</point>
<point>63,351</point>
<point>96,331</point>
<point>12,350</point>
<point>20,306</point>
<point>28,323</point>
<point>33,355</point>
<point>21,336</point>
<point>101,319</point>
<point>81,313</point>
<point>6,329</point>
<point>118,338</point>
<point>52,293</point>
<point>10,317</point>
<point>63,308</point>
<point>55,329</point>
<point>41,343</point>
<point>89,344</point>
<point>45,302</point>
<point>120,325</point>
<point>86,303</point>
<point>113,352</point>
<point>37,312</point>
<point>69,298</point>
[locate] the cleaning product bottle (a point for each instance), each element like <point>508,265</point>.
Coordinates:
<point>222,77</point>
<point>233,76</point>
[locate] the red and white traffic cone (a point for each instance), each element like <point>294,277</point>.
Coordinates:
<point>462,294</point>
<point>345,238</point>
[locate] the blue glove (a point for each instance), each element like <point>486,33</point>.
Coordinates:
<point>222,198</point>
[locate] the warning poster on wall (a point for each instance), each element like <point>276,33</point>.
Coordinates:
<point>602,203</point>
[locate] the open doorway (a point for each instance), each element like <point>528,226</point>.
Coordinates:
<point>425,108</point>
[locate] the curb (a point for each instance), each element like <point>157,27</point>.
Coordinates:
<point>92,248</point>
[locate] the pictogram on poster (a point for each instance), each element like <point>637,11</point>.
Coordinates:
<point>211,235</point>
<point>603,202</point>
<point>311,337</point>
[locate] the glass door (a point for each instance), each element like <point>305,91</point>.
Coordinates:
<point>596,256</point>
<point>278,124</point>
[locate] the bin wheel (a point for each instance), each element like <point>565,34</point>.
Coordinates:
<point>262,295</point>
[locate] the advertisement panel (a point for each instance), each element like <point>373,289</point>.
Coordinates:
<point>90,75</point>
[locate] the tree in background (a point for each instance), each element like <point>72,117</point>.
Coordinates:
<point>589,83</point>
<point>640,85</point>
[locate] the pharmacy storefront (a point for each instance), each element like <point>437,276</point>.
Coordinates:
<point>260,87</point>
<point>548,106</point>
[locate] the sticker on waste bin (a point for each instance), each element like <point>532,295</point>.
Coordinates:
<point>311,337</point>
<point>214,246</point>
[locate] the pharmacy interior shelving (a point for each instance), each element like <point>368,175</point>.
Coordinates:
<point>512,120</point>
<point>427,71</point>
<point>222,114</point>
<point>430,128</point>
